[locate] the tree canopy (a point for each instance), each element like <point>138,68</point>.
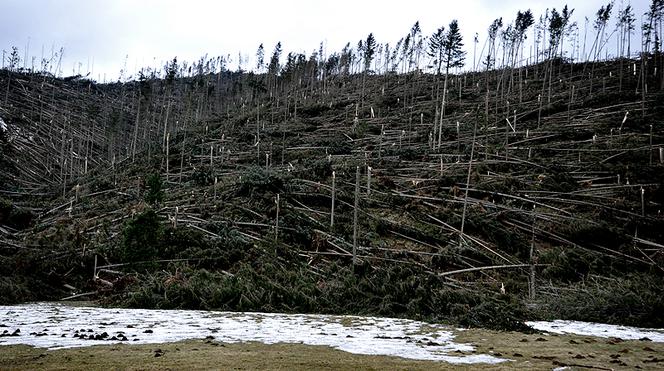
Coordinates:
<point>454,56</point>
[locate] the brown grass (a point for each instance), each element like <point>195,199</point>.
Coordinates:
<point>201,355</point>
<point>535,352</point>
<point>547,351</point>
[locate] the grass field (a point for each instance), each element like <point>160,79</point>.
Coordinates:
<point>535,351</point>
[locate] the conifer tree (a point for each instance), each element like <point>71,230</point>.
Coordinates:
<point>369,49</point>
<point>603,15</point>
<point>454,57</point>
<point>521,24</point>
<point>273,68</point>
<point>495,26</point>
<point>626,25</point>
<point>415,45</point>
<point>260,58</point>
<point>558,22</point>
<point>436,49</point>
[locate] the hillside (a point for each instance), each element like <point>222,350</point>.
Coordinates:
<point>532,192</point>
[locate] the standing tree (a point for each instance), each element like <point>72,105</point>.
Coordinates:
<point>603,15</point>
<point>436,51</point>
<point>521,24</point>
<point>394,59</point>
<point>652,30</point>
<point>517,36</point>
<point>405,52</point>
<point>360,54</point>
<point>14,60</point>
<point>345,60</point>
<point>568,28</point>
<point>274,66</point>
<point>454,57</point>
<point>415,46</point>
<point>476,40</point>
<point>386,58</point>
<point>321,64</point>
<point>652,26</point>
<point>626,21</point>
<point>557,25</point>
<point>626,26</point>
<point>656,16</point>
<point>495,26</point>
<point>369,50</point>
<point>260,58</point>
<point>540,37</point>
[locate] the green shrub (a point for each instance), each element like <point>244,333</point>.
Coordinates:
<point>20,218</point>
<point>154,193</point>
<point>559,180</point>
<point>496,312</point>
<point>314,170</point>
<point>218,253</point>
<point>313,110</point>
<point>6,207</point>
<point>142,238</point>
<point>258,181</point>
<point>15,217</point>
<point>636,299</point>
<point>566,264</point>
<point>586,233</point>
<point>176,241</point>
<point>7,166</point>
<point>100,183</point>
<point>337,145</point>
<point>262,283</point>
<point>203,176</point>
<point>13,290</point>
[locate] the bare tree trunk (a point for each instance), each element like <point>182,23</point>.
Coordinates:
<point>334,181</point>
<point>168,109</point>
<point>465,198</point>
<point>9,79</point>
<point>486,126</point>
<point>442,112</point>
<point>531,286</point>
<point>569,106</point>
<point>168,139</point>
<point>138,113</point>
<point>276,221</point>
<point>356,207</point>
<point>650,148</point>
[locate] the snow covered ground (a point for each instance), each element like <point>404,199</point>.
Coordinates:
<point>598,329</point>
<point>53,326</point>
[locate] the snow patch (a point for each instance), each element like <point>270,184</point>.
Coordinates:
<point>598,329</point>
<point>53,326</point>
<point>3,126</point>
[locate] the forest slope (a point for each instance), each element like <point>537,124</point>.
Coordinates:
<point>537,193</point>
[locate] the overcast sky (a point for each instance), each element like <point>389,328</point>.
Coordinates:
<point>98,35</point>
